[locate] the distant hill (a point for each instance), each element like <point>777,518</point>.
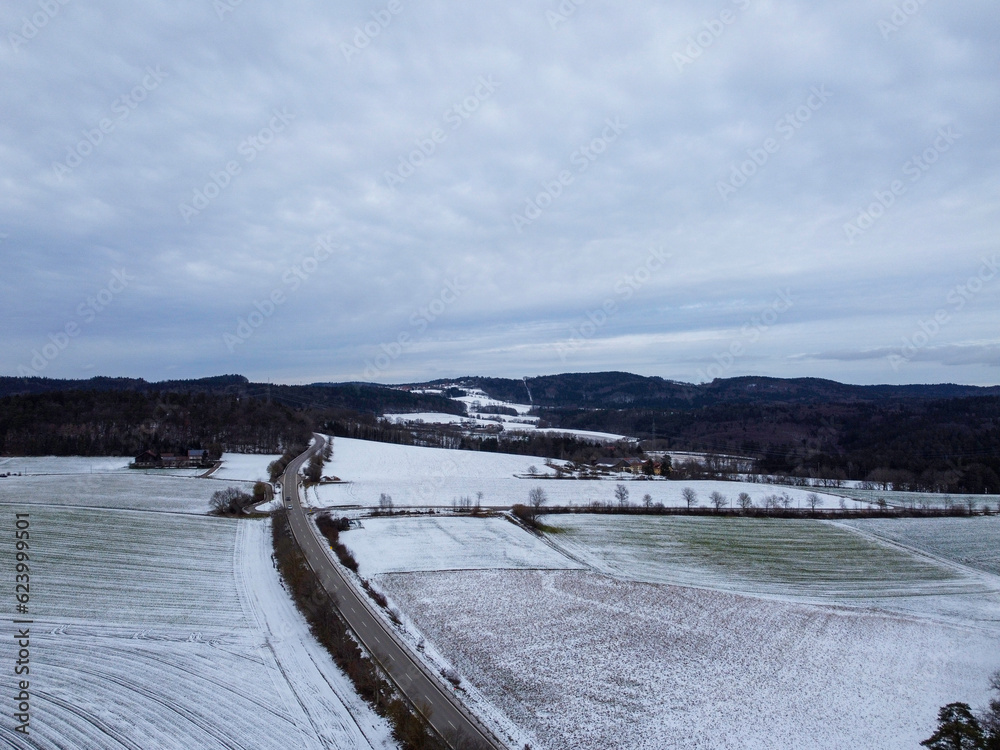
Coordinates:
<point>617,390</point>
<point>944,437</point>
<point>26,386</point>
<point>362,397</point>
<point>122,416</point>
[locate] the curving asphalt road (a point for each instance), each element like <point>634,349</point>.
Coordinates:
<point>434,700</point>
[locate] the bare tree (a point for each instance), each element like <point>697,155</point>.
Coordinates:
<point>813,499</point>
<point>744,500</point>
<point>536,499</point>
<point>690,496</point>
<point>621,495</point>
<point>647,500</point>
<point>718,499</point>
<point>385,502</point>
<point>532,470</point>
<point>230,500</point>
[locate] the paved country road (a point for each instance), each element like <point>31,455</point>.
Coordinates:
<point>444,712</point>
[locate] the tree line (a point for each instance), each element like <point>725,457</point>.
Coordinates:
<point>944,445</point>
<point>125,423</point>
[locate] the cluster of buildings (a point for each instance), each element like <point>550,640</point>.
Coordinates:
<point>632,465</point>
<point>192,459</point>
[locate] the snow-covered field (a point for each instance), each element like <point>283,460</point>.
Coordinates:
<point>154,630</point>
<point>781,557</point>
<point>418,476</point>
<point>63,464</point>
<point>476,400</point>
<point>425,543</point>
<point>581,660</point>
<point>246,466</point>
<point>974,542</point>
<point>801,559</point>
<point>696,631</point>
<point>509,423</point>
<point>922,499</point>
<point>122,490</point>
<point>33,465</point>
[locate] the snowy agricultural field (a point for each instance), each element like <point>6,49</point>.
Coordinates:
<point>451,484</point>
<point>585,661</point>
<point>413,475</point>
<point>510,424</point>
<point>475,397</point>
<point>428,417</point>
<point>357,460</point>
<point>416,476</point>
<point>124,490</point>
<point>921,499</point>
<point>49,465</point>
<point>973,542</point>
<point>63,464</point>
<point>801,559</point>
<point>166,631</point>
<point>251,467</point>
<point>425,543</point>
<point>475,400</point>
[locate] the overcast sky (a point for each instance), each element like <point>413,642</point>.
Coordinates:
<point>398,191</point>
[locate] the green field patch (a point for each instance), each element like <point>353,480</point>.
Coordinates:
<point>804,558</point>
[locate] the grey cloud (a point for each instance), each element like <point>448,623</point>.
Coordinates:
<point>351,121</point>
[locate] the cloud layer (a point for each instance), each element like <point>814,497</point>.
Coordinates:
<point>405,190</point>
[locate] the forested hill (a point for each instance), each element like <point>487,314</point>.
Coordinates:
<point>120,416</point>
<point>616,390</point>
<point>360,397</point>
<point>10,386</point>
<point>922,437</point>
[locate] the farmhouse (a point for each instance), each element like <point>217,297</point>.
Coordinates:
<point>612,464</point>
<point>191,459</point>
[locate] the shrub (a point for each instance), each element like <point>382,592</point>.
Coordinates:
<point>230,501</point>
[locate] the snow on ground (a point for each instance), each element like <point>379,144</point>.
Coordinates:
<point>124,490</point>
<point>414,475</point>
<point>974,542</point>
<point>36,465</point>
<point>418,476</point>
<point>475,400</point>
<point>157,630</point>
<point>601,437</point>
<point>63,464</point>
<point>356,460</point>
<point>510,424</point>
<point>922,499</point>
<point>581,660</point>
<point>474,397</point>
<point>427,543</point>
<point>429,417</point>
<point>800,559</point>
<point>248,466</point>
<point>444,489</point>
